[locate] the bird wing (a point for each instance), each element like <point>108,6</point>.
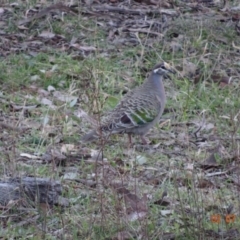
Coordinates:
<point>132,112</point>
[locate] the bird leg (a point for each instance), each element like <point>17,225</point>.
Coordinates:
<point>130,139</point>
<point>145,141</point>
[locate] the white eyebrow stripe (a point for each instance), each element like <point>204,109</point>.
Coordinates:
<point>155,70</point>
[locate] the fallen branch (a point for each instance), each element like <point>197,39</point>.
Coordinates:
<point>14,128</point>
<point>45,11</point>
<point>30,190</point>
<point>145,31</point>
<point>105,8</point>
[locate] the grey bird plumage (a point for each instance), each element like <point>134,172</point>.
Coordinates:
<point>138,111</point>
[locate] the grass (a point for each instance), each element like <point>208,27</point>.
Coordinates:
<point>99,79</point>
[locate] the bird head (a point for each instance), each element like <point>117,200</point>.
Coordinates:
<point>163,69</point>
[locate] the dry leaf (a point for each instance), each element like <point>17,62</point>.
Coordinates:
<point>47,35</point>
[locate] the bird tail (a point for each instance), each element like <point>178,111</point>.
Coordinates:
<point>90,136</point>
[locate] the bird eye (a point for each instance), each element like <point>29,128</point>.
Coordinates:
<point>163,67</point>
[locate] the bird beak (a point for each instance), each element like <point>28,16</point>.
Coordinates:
<point>172,71</point>
<point>169,68</point>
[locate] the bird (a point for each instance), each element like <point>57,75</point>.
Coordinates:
<point>138,111</point>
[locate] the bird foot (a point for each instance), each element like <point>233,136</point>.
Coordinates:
<point>142,148</point>
<point>145,141</point>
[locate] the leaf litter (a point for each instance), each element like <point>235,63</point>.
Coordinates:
<point>190,155</point>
